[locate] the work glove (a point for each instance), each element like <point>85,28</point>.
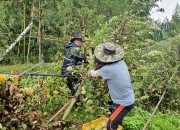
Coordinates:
<point>92,73</point>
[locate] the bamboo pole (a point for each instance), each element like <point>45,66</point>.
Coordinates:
<point>71,105</point>
<point>162,96</point>
<point>19,43</point>
<point>74,99</point>
<point>154,110</point>
<point>43,38</point>
<point>32,17</point>
<point>39,31</point>
<point>57,113</point>
<point>24,45</point>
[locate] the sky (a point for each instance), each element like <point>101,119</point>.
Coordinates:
<point>168,6</point>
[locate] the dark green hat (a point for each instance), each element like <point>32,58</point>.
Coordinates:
<point>77,36</point>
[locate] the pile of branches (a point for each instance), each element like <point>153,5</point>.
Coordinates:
<point>15,114</point>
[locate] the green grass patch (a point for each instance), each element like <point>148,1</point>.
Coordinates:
<point>19,67</point>
<point>137,118</point>
<point>44,68</point>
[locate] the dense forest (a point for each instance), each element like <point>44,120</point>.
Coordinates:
<point>152,53</point>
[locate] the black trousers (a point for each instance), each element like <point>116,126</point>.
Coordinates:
<point>117,115</point>
<point>70,84</point>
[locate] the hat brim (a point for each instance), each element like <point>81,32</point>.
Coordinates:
<point>77,38</point>
<point>105,58</point>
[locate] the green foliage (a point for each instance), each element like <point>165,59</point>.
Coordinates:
<point>60,20</point>
<point>148,74</point>
<point>49,94</point>
<point>137,118</point>
<point>153,65</point>
<point>168,28</point>
<point>176,15</point>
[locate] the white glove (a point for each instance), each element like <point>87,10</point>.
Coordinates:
<point>92,73</point>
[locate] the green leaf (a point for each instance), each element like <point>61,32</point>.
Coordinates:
<point>137,85</point>
<point>24,126</point>
<point>1,126</point>
<point>34,122</point>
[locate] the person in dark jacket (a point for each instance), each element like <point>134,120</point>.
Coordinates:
<point>72,57</point>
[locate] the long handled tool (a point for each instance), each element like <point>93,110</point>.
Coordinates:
<point>30,68</point>
<point>39,74</point>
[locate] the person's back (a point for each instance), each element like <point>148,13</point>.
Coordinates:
<point>119,82</point>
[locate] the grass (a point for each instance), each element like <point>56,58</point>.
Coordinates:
<point>18,67</point>
<point>45,68</point>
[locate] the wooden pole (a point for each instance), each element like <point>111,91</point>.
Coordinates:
<point>39,31</point>
<point>57,113</point>
<point>24,45</point>
<point>29,43</point>
<point>74,99</point>
<point>154,110</point>
<point>169,81</point>
<point>71,105</point>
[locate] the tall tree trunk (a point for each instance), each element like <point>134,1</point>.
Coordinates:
<point>24,46</point>
<point>82,24</point>
<point>65,26</point>
<point>39,31</point>
<point>19,43</point>
<point>32,16</point>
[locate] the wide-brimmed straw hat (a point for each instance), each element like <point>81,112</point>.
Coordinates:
<point>77,36</point>
<point>109,52</point>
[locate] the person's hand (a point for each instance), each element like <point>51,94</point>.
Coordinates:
<point>92,73</point>
<point>83,57</point>
<point>80,58</point>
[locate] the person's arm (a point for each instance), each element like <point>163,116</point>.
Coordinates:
<point>80,58</point>
<point>104,72</point>
<point>94,73</point>
<point>76,52</point>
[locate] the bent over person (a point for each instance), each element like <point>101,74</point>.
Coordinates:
<point>72,56</point>
<point>118,78</point>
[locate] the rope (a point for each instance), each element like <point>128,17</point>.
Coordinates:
<point>36,37</point>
